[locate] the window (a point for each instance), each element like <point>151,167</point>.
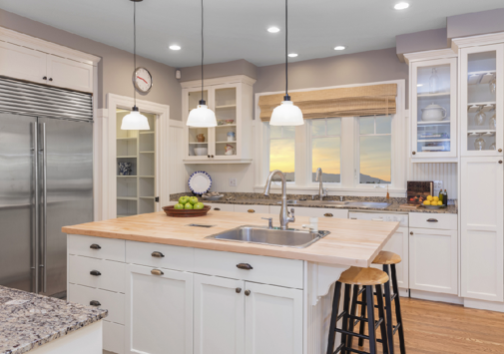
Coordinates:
<point>282,151</point>
<point>375,150</point>
<point>325,149</point>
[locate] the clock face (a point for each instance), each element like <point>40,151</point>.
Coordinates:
<point>143,80</point>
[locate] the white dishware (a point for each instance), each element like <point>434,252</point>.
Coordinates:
<point>200,151</point>
<point>433,113</point>
<point>493,122</point>
<point>200,182</point>
<point>480,118</point>
<point>479,144</point>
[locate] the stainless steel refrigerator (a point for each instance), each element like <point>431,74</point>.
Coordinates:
<point>46,181</point>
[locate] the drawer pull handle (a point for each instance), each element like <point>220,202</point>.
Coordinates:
<point>328,215</point>
<point>95,246</point>
<point>432,220</point>
<point>411,233</point>
<point>247,292</point>
<point>95,273</point>
<point>218,209</point>
<point>156,272</point>
<point>238,290</point>
<point>251,211</point>
<point>157,254</point>
<point>95,303</point>
<point>245,266</point>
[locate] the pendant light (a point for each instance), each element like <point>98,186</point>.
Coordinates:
<point>287,114</point>
<point>202,116</point>
<point>135,120</point>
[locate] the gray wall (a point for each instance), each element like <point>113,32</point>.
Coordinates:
<point>211,71</point>
<point>475,23</point>
<point>116,66</point>
<point>421,41</point>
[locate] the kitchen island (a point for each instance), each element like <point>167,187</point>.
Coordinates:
<point>168,285</point>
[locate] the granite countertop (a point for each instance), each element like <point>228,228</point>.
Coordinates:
<point>396,204</point>
<point>28,320</point>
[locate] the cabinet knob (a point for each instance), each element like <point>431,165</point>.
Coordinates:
<point>95,273</point>
<point>95,246</point>
<point>500,150</point>
<point>432,220</point>
<point>500,161</point>
<point>218,209</point>
<point>238,290</point>
<point>251,211</point>
<point>208,156</point>
<point>328,215</point>
<point>413,153</point>
<point>44,78</point>
<point>411,233</point>
<point>50,79</point>
<point>94,303</point>
<point>157,254</point>
<point>247,292</point>
<point>244,266</point>
<point>156,272</point>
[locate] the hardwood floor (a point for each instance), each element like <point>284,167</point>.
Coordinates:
<point>440,328</point>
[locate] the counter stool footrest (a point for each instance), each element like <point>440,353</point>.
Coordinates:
<point>396,328</point>
<point>341,315</point>
<point>359,318</point>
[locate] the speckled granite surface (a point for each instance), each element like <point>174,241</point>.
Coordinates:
<point>274,199</point>
<point>28,321</point>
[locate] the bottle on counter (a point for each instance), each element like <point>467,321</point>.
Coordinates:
<point>445,198</point>
<point>441,196</point>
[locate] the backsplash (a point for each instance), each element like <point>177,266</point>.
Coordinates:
<point>446,172</point>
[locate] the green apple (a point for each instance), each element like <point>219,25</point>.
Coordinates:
<point>188,206</point>
<point>193,200</point>
<point>199,206</point>
<point>179,206</point>
<point>183,200</point>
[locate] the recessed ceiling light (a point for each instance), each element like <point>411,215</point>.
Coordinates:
<point>340,47</point>
<point>419,85</point>
<point>175,47</point>
<point>273,29</point>
<point>401,6</point>
<point>293,55</point>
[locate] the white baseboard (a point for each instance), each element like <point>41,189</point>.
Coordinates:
<point>484,305</point>
<point>426,295</point>
<point>403,292</point>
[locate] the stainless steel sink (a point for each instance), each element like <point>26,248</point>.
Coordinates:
<point>276,237</point>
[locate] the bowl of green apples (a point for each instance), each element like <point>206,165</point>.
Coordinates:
<point>187,207</point>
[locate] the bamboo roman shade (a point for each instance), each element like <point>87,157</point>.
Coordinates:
<point>337,102</point>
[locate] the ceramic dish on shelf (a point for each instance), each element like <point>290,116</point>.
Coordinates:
<point>200,182</point>
<point>433,113</point>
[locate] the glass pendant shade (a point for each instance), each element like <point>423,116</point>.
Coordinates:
<point>135,121</point>
<point>287,114</point>
<point>202,117</point>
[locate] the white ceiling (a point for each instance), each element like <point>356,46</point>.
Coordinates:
<point>236,29</point>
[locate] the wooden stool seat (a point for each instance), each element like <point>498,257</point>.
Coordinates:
<point>363,276</point>
<point>385,257</point>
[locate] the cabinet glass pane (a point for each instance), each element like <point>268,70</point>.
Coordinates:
<point>225,112</point>
<point>481,101</point>
<point>198,137</point>
<point>434,105</point>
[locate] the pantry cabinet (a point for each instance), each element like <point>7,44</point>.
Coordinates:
<point>229,142</point>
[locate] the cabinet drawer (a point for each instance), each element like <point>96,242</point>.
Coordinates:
<point>109,274</point>
<point>113,337</point>
<point>160,256</point>
<point>433,221</point>
<point>108,300</point>
<point>97,247</point>
<point>266,270</point>
<point>262,209</point>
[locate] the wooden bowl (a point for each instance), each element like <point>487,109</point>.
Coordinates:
<point>185,213</point>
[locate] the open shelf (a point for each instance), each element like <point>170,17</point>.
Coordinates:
<point>481,132</point>
<point>129,138</point>
<point>480,77</point>
<point>439,94</point>
<point>226,106</point>
<point>432,123</point>
<point>226,125</point>
<point>433,140</point>
<point>225,142</point>
<point>484,106</point>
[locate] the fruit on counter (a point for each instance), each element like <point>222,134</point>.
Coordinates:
<point>427,202</point>
<point>179,206</point>
<point>430,200</point>
<point>188,206</point>
<point>198,206</point>
<point>183,200</point>
<point>193,200</point>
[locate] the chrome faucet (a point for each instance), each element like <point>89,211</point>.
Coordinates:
<point>285,216</point>
<point>318,178</point>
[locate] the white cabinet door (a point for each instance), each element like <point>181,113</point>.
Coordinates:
<point>159,316</point>
<point>218,315</point>
<point>69,74</point>
<point>433,260</point>
<point>482,246</point>
<point>22,63</point>
<point>398,244</point>
<point>273,320</point>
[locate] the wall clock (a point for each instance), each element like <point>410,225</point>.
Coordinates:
<point>142,80</point>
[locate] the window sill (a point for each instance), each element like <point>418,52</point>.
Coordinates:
<point>365,191</point>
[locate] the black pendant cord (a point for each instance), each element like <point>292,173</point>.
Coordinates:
<point>286,98</point>
<point>202,54</point>
<point>134,52</point>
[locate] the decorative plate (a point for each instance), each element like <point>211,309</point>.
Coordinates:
<point>200,182</point>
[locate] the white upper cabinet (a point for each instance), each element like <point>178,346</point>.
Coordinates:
<point>231,100</point>
<point>481,100</point>
<point>69,74</point>
<point>22,63</point>
<point>433,107</point>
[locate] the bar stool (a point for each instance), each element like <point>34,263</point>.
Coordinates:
<point>356,277</point>
<point>386,259</point>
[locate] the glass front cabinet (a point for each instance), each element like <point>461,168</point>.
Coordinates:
<point>481,100</point>
<point>433,110</point>
<point>229,142</point>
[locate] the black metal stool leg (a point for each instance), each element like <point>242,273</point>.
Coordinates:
<point>334,316</point>
<point>346,310</point>
<point>381,315</point>
<point>363,315</point>
<point>371,320</point>
<point>388,304</point>
<point>397,303</point>
<point>353,311</point>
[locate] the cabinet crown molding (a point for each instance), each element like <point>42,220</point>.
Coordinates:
<point>431,55</point>
<point>476,41</point>
<point>23,40</point>
<point>236,79</point>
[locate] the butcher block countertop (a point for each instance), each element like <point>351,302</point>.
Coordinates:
<point>351,242</point>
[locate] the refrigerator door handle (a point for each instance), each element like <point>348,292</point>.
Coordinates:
<point>35,236</point>
<point>44,209</point>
